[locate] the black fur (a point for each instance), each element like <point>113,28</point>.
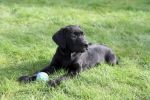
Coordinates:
<point>74,55</point>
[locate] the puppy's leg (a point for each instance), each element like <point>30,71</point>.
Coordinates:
<point>50,69</point>
<point>74,70</point>
<point>57,81</point>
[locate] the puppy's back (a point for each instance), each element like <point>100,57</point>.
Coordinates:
<point>97,54</point>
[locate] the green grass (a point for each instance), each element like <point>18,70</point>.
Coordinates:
<point>26,28</point>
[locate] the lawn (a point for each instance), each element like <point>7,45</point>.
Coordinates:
<point>26,28</point>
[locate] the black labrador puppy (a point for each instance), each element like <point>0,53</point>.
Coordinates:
<point>74,55</point>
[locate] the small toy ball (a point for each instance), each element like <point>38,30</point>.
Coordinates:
<point>42,76</point>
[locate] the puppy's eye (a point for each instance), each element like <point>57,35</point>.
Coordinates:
<point>81,33</point>
<point>76,33</point>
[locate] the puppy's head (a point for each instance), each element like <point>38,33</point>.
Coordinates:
<point>72,38</point>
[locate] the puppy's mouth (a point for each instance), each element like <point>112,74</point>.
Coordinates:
<point>85,48</point>
<point>80,48</point>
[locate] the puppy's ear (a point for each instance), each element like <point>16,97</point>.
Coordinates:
<point>59,38</point>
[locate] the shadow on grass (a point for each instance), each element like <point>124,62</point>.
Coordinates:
<point>25,68</point>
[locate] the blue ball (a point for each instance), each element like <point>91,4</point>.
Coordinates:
<point>42,76</point>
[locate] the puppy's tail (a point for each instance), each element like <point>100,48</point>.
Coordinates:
<point>111,58</point>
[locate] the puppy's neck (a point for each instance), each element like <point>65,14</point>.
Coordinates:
<point>64,52</point>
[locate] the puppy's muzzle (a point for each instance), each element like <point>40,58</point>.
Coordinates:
<point>85,46</point>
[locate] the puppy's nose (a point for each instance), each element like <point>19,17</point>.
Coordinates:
<point>86,46</point>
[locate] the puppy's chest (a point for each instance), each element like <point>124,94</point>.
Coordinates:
<point>65,61</point>
<point>69,60</point>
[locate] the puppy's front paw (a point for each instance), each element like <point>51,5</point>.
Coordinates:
<point>53,83</point>
<point>24,79</point>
